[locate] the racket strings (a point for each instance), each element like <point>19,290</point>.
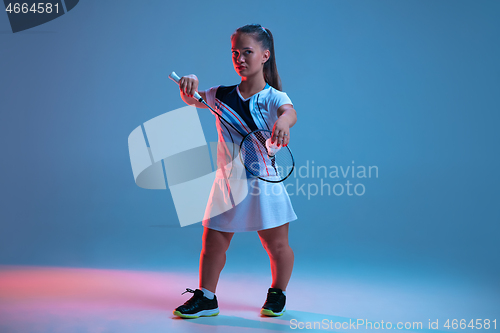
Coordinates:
<point>259,163</point>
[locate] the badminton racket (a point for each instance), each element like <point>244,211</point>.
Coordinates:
<point>261,158</point>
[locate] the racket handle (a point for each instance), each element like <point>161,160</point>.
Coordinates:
<point>174,77</point>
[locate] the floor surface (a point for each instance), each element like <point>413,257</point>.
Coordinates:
<point>59,299</point>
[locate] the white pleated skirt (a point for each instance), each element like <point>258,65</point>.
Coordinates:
<point>266,205</point>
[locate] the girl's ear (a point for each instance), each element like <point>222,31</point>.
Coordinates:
<point>266,56</point>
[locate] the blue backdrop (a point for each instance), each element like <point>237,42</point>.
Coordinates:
<point>410,88</point>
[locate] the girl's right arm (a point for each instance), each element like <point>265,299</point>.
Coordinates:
<point>188,85</point>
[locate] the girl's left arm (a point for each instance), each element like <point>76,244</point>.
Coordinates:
<point>287,117</point>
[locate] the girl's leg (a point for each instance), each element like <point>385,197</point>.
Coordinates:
<point>213,257</point>
<point>275,241</point>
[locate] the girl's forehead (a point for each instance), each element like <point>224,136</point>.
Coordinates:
<point>244,40</point>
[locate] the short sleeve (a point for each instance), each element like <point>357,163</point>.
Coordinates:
<point>278,98</point>
<point>210,96</point>
<point>284,99</point>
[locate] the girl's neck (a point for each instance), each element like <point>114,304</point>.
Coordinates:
<point>251,86</point>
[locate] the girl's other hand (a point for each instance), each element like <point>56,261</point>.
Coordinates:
<point>281,132</point>
<point>188,85</point>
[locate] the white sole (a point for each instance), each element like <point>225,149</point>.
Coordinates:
<point>275,314</point>
<point>207,313</point>
<point>203,313</point>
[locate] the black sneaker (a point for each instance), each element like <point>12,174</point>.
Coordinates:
<point>275,303</point>
<point>197,306</point>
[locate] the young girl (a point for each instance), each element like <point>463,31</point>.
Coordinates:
<point>256,102</point>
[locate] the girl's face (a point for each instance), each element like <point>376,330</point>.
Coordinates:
<point>248,55</point>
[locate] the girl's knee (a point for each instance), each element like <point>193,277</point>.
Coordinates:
<point>277,248</point>
<point>214,247</point>
<point>216,241</point>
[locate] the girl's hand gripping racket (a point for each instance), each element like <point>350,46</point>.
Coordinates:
<point>174,77</point>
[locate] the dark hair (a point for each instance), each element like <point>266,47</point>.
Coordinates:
<point>265,38</point>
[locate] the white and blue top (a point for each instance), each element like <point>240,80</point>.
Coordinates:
<point>267,205</point>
